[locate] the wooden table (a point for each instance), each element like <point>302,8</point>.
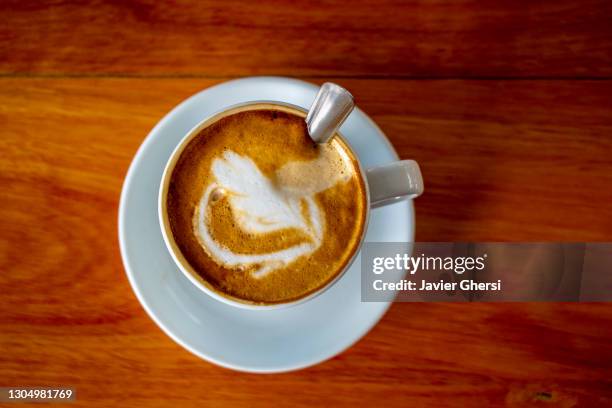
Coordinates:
<point>507,105</point>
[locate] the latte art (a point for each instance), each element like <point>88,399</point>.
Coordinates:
<point>260,212</point>
<point>260,206</point>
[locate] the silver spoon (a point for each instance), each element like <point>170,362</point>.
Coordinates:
<point>331,107</point>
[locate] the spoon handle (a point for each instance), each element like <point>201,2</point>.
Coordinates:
<point>331,107</point>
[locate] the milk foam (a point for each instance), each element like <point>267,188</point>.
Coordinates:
<point>261,205</point>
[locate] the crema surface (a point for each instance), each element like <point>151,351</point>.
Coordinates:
<point>261,212</point>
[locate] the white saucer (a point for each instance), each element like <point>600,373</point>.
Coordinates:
<point>247,340</point>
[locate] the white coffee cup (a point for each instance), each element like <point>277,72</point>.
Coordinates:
<point>383,185</point>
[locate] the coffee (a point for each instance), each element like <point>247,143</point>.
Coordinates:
<point>261,212</point>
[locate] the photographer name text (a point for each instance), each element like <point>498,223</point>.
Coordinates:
<point>423,285</point>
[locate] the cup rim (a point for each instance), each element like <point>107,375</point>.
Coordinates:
<point>176,253</point>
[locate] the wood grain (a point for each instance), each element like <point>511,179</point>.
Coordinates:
<point>463,38</point>
<point>503,160</point>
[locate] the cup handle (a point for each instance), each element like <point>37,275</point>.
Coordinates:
<point>393,182</point>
